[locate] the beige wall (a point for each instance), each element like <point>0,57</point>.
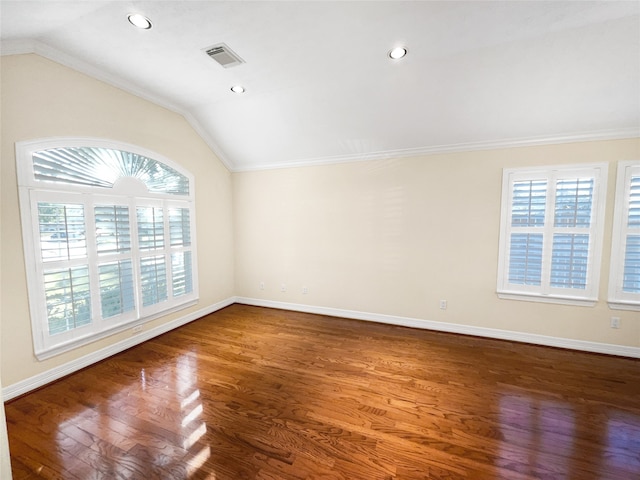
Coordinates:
<point>40,99</point>
<point>387,236</point>
<point>396,236</point>
<point>5,461</point>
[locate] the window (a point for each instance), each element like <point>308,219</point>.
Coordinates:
<point>624,283</point>
<point>551,233</point>
<point>109,239</point>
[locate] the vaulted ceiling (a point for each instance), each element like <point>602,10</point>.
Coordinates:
<point>320,86</point>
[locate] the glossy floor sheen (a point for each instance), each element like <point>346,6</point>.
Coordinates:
<point>253,393</point>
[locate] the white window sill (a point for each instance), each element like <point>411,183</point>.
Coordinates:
<point>557,299</point>
<point>54,350</point>
<point>622,305</point>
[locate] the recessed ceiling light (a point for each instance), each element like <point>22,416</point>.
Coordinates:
<point>237,89</point>
<point>397,53</point>
<point>139,21</point>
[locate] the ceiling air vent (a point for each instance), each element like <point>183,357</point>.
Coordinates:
<point>223,55</point>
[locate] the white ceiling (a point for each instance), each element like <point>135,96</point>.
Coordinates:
<point>320,87</point>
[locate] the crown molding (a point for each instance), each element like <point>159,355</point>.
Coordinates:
<point>17,47</point>
<point>453,148</point>
<point>197,126</point>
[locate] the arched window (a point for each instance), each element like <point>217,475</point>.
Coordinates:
<point>109,236</point>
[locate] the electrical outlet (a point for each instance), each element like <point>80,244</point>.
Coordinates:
<point>137,329</point>
<point>443,304</point>
<point>283,288</point>
<point>615,322</point>
<point>261,285</point>
<point>305,290</point>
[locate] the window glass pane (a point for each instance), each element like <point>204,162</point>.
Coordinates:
<point>529,201</point>
<point>116,288</point>
<point>525,261</point>
<point>150,228</point>
<point>182,274</point>
<point>102,167</point>
<point>62,230</point>
<point>179,227</point>
<point>113,233</point>
<point>631,278</point>
<point>67,297</point>
<point>570,261</point>
<point>574,198</point>
<point>634,203</point>
<point>153,278</point>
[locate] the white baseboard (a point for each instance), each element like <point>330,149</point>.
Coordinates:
<point>582,345</point>
<point>37,381</point>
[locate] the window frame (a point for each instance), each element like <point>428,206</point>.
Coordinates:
<point>545,292</point>
<point>127,192</point>
<point>617,298</point>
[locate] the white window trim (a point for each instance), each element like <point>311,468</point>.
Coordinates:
<point>547,294</point>
<point>30,189</point>
<point>618,299</point>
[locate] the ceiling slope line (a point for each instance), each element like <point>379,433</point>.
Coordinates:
<point>21,47</point>
<point>621,134</point>
<point>26,46</point>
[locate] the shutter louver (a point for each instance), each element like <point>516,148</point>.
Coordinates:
<point>62,231</point>
<point>102,167</point>
<point>116,288</point>
<point>113,232</point>
<point>631,276</point>
<point>527,210</point>
<point>179,227</point>
<point>153,280</point>
<point>525,263</point>
<point>150,228</point>
<point>570,257</point>
<point>67,296</point>
<point>182,282</point>
<point>570,261</point>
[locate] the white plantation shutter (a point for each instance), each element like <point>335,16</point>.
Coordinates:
<point>624,284</point>
<point>180,240</point>
<point>150,228</point>
<point>62,231</point>
<point>113,235</point>
<point>182,278</point>
<point>103,167</point>
<point>571,237</point>
<point>67,296</point>
<point>525,260</point>
<point>117,294</point>
<point>528,206</point>
<point>153,280</point>
<point>115,271</point>
<point>113,229</point>
<point>631,276</point>
<point>551,232</point>
<point>180,227</point>
<point>64,267</point>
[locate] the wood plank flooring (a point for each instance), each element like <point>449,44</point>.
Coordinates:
<point>254,393</point>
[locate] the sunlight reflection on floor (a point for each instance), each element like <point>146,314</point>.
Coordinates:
<point>191,406</point>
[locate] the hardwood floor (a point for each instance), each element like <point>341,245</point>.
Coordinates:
<point>254,393</point>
